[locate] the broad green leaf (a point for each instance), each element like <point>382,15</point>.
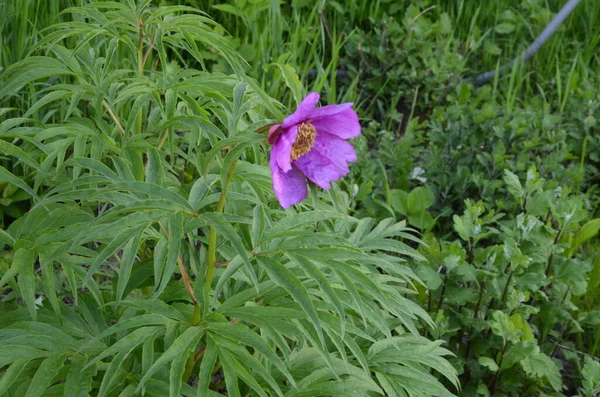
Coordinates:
<point>489,363</point>
<point>513,184</point>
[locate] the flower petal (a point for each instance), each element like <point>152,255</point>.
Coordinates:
<point>282,148</point>
<point>343,124</point>
<point>303,112</point>
<point>289,187</point>
<point>337,150</point>
<point>329,110</point>
<point>319,169</point>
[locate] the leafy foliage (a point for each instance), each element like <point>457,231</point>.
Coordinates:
<point>143,251</point>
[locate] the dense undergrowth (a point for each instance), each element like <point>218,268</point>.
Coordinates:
<point>143,250</point>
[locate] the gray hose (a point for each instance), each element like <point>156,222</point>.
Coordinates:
<point>533,48</point>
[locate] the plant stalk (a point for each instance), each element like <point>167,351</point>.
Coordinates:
<point>140,69</point>
<point>212,236</point>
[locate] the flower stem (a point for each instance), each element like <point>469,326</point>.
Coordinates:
<point>212,236</point>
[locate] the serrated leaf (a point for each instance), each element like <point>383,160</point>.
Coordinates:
<point>513,184</point>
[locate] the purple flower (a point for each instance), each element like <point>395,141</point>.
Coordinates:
<point>311,143</point>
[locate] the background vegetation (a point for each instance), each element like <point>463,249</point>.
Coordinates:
<point>142,250</point>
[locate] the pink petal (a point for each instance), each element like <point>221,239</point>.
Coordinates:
<point>343,124</point>
<point>282,148</point>
<point>289,187</point>
<point>337,150</point>
<point>319,169</point>
<point>303,112</point>
<point>329,110</point>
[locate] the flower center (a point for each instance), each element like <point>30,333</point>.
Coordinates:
<point>305,139</point>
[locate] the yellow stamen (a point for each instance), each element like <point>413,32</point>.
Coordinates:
<point>305,139</point>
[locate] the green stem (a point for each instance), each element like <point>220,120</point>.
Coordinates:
<point>497,376</point>
<point>212,236</point>
<point>505,292</point>
<point>140,67</point>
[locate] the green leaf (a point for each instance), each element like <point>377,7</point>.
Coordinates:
<point>182,345</point>
<point>7,176</point>
<point>26,282</point>
<point>243,334</point>
<point>419,199</point>
<point>11,374</point>
<point>229,360</point>
<point>128,342</point>
<point>489,363</point>
<point>42,378</point>
<point>230,373</point>
<point>286,279</point>
<point>513,184</point>
<point>79,381</point>
<point>313,272</point>
<point>154,168</point>
<point>22,257</point>
<point>588,231</point>
<point>155,306</point>
<point>291,80</point>
<point>176,375</point>
<point>14,151</point>
<point>112,371</point>
<point>541,366</point>
<point>118,242</point>
<point>174,240</point>
<point>129,253</point>
<point>504,28</point>
<point>209,358</point>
